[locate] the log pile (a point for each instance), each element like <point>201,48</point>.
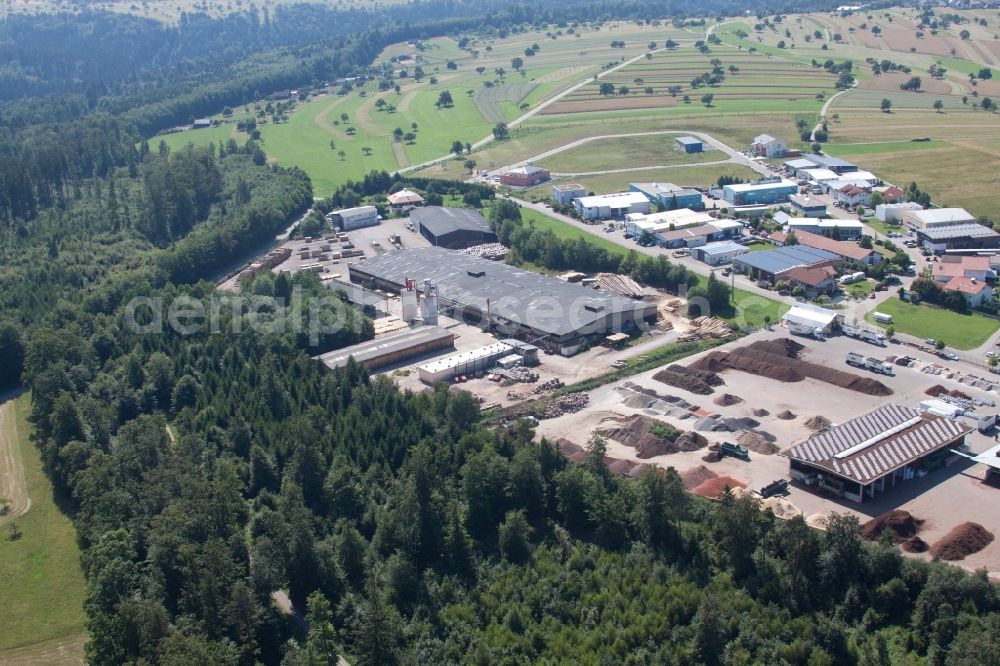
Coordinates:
<point>706,327</point>
<point>622,285</point>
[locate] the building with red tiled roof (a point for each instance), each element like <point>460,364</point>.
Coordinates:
<point>975,292</point>
<point>818,280</point>
<point>850,196</point>
<point>963,266</point>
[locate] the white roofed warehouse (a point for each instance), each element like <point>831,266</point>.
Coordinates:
<point>872,453</point>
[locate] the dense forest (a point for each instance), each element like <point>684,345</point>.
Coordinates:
<point>207,468</point>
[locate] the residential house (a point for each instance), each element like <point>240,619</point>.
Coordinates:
<point>852,196</point>
<point>815,281</point>
<point>766,145</point>
<point>973,267</point>
<point>404,200</point>
<point>975,292</point>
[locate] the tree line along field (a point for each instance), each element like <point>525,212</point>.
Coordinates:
<point>40,573</point>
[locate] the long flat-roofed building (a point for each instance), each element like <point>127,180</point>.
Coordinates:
<point>870,453</point>
<point>392,348</point>
<point>506,299</point>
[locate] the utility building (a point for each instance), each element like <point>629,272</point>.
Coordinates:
<point>453,228</point>
<point>874,452</point>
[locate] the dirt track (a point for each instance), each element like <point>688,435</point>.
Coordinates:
<point>56,652</point>
<point>12,483</point>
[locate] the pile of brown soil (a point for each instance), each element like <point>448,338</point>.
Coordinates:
<point>571,450</point>
<point>760,412</point>
<point>713,488</point>
<point>818,423</point>
<point>697,476</point>
<point>779,360</point>
<point>900,524</point>
<point>938,390</point>
<point>786,415</point>
<point>915,545</point>
<point>639,432</point>
<point>756,442</point>
<point>712,457</point>
<point>963,540</point>
<point>728,399</point>
<point>622,467</point>
<point>689,379</point>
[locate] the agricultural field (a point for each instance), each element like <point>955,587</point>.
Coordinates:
<point>950,166</point>
<point>494,102</point>
<point>664,79</point>
<point>625,152</point>
<point>40,574</point>
<point>960,331</point>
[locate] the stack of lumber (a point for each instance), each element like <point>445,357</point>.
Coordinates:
<point>672,305</point>
<point>706,327</point>
<point>621,285</point>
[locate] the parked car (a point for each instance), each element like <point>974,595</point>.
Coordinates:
<point>951,356</point>
<point>930,341</point>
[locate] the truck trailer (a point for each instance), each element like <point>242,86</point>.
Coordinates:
<point>804,329</point>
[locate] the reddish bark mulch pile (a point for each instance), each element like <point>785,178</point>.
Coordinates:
<point>963,540</point>
<point>713,488</point>
<point>689,379</point>
<point>779,360</point>
<point>900,524</point>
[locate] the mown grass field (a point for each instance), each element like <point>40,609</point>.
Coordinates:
<point>625,152</point>
<point>880,147</point>
<point>40,576</point>
<point>926,321</point>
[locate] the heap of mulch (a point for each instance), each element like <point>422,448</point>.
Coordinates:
<point>728,399</point>
<point>623,467</point>
<point>779,360</point>
<point>696,381</point>
<point>938,390</point>
<point>712,457</point>
<point>818,423</point>
<point>900,524</point>
<point>786,415</point>
<point>638,388</point>
<point>713,488</point>
<point>915,545</point>
<point>697,476</point>
<point>760,412</point>
<point>635,431</point>
<point>757,442</point>
<point>963,540</point>
<point>571,450</point>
